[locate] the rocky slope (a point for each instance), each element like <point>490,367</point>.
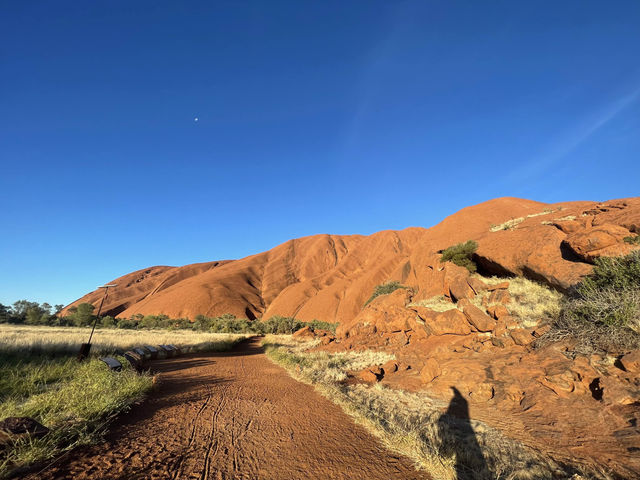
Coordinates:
<point>329,277</point>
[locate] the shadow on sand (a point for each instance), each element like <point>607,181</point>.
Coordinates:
<point>458,440</point>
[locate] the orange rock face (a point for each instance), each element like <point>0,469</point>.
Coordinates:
<point>329,277</point>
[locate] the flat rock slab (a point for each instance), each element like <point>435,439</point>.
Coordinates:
<point>234,415</point>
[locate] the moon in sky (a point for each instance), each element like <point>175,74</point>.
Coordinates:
<point>195,119</point>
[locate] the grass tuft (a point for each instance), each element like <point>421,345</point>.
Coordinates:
<point>75,401</point>
<point>508,225</point>
<point>439,303</point>
<point>532,301</point>
<point>383,289</point>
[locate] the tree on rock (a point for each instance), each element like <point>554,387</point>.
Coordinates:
<point>461,255</point>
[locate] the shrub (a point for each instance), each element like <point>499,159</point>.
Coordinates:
<point>603,311</point>
<point>281,325</point>
<point>461,255</point>
<point>632,240</point>
<point>108,322</point>
<point>617,273</point>
<point>384,289</point>
<point>611,307</point>
<point>127,323</point>
<point>320,325</point>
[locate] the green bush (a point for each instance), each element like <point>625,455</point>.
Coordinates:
<point>320,325</point>
<point>108,322</point>
<point>82,315</point>
<point>632,240</point>
<point>612,273</point>
<point>126,323</point>
<point>461,255</point>
<point>603,312</point>
<point>384,289</point>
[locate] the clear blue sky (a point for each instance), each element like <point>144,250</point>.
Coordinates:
<point>313,117</point>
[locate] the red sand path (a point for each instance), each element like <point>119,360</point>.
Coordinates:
<point>234,415</point>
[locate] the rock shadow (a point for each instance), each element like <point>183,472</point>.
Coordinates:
<point>459,441</point>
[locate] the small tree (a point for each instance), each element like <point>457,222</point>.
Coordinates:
<point>5,312</point>
<point>108,322</point>
<point>461,255</point>
<point>20,309</point>
<point>83,315</point>
<point>36,315</point>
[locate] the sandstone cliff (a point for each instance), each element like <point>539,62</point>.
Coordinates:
<point>329,277</point>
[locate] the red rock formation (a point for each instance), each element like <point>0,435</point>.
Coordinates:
<point>329,277</point>
<point>576,409</point>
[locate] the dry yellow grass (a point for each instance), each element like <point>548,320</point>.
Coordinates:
<point>567,218</point>
<point>34,340</point>
<point>410,424</point>
<point>530,303</point>
<point>439,303</point>
<point>508,225</point>
<point>546,211</point>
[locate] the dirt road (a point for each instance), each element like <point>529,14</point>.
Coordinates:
<point>233,415</point>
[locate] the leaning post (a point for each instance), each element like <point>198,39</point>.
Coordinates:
<point>85,348</point>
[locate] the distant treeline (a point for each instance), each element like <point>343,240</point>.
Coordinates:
<point>32,313</point>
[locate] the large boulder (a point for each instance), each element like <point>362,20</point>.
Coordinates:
<point>385,314</point>
<point>371,374</point>
<point>522,336</point>
<point>430,371</point>
<point>304,332</point>
<point>450,322</point>
<point>457,282</point>
<point>476,317</point>
<point>631,361</point>
<point>602,241</point>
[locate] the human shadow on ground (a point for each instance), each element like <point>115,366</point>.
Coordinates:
<point>458,440</point>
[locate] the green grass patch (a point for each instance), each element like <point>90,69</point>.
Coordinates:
<point>74,400</point>
<point>461,255</point>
